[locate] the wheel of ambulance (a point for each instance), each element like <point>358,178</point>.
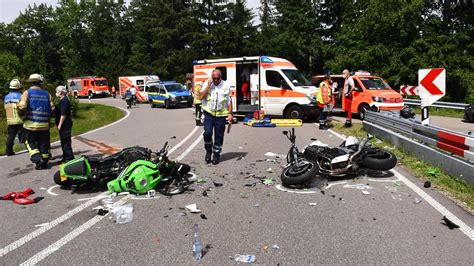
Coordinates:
<point>362,108</point>
<point>294,112</point>
<point>57,180</point>
<point>167,104</point>
<point>152,104</point>
<point>75,94</point>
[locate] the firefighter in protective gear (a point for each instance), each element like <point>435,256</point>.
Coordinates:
<point>323,99</point>
<point>217,106</point>
<point>37,107</point>
<point>197,103</point>
<point>14,121</point>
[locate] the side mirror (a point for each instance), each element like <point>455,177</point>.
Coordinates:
<point>285,85</point>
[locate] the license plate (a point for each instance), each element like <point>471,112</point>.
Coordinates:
<point>184,101</point>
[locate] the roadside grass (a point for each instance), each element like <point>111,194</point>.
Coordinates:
<point>441,112</point>
<point>86,117</point>
<point>457,189</point>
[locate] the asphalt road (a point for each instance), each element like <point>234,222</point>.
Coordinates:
<point>244,216</point>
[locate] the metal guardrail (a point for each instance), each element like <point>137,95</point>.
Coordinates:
<point>452,151</point>
<point>459,106</point>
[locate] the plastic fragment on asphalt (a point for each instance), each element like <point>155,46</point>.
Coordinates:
<point>244,258</point>
<point>200,180</point>
<point>365,192</point>
<point>257,205</point>
<point>41,225</point>
<point>272,154</point>
<point>216,184</point>
<point>203,216</point>
<point>417,201</point>
<point>42,188</point>
<point>267,181</point>
<point>192,208</point>
<point>269,170</point>
<point>313,204</point>
<point>265,248</point>
<point>275,247</point>
<point>123,214</point>
<point>151,193</point>
<point>102,212</point>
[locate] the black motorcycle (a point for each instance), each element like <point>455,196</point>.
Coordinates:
<point>350,158</point>
<point>129,101</point>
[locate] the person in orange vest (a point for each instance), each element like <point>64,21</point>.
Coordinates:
<point>323,100</point>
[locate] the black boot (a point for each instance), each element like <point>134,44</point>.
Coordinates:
<point>216,158</point>
<point>323,126</point>
<point>208,148</point>
<point>348,124</point>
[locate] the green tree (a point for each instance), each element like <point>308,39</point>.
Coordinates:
<point>34,31</point>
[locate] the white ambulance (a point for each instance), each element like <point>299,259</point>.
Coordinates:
<point>139,82</point>
<point>271,84</point>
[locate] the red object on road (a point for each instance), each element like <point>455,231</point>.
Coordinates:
<point>21,197</point>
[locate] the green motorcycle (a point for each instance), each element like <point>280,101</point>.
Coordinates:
<point>167,177</point>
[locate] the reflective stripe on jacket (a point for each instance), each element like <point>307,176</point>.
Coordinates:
<point>10,102</point>
<point>217,101</point>
<point>38,109</point>
<point>323,96</point>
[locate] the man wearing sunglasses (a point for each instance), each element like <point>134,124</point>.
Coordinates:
<point>217,106</point>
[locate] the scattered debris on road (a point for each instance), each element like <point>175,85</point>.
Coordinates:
<point>450,223</point>
<point>312,204</point>
<point>192,208</point>
<point>417,201</point>
<point>427,184</point>
<point>244,258</point>
<point>365,192</point>
<point>123,214</point>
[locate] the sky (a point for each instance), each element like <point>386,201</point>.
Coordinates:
<point>10,9</point>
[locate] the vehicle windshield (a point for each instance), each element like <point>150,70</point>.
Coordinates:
<point>296,77</point>
<point>374,84</point>
<point>153,88</point>
<point>100,82</point>
<point>174,87</point>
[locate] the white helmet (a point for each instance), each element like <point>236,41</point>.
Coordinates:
<point>15,84</point>
<point>35,78</point>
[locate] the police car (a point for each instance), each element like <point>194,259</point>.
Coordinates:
<point>168,94</point>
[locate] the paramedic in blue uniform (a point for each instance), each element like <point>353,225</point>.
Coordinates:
<point>217,107</point>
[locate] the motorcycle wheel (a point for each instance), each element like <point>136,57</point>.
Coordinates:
<point>378,159</point>
<point>293,175</point>
<point>57,180</point>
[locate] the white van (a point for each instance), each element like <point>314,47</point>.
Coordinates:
<point>274,85</point>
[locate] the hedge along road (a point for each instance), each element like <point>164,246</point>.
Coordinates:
<point>243,215</point>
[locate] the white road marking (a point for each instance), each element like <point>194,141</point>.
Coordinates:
<point>435,204</point>
<point>50,190</point>
<point>280,187</point>
<point>335,184</point>
<point>189,149</point>
<point>81,229</point>
<point>67,238</point>
<point>20,242</point>
<point>183,141</point>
